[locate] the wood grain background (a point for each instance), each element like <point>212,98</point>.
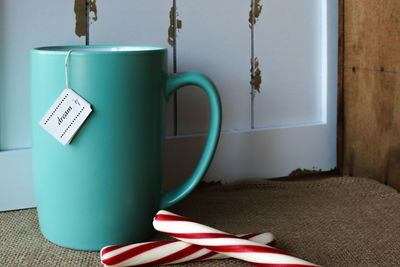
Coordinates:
<point>371,83</point>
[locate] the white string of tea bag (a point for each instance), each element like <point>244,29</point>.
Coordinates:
<point>67,114</point>
<point>66,67</point>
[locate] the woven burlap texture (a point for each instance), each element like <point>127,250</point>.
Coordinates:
<point>338,221</point>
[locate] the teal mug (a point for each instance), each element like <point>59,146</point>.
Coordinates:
<point>105,186</point>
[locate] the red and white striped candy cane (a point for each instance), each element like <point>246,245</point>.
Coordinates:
<point>191,232</point>
<point>167,252</point>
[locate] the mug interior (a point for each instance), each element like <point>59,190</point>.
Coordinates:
<point>100,48</point>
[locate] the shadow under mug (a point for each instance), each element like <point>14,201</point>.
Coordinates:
<point>105,187</point>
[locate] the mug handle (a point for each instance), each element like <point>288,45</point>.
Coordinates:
<point>175,81</point>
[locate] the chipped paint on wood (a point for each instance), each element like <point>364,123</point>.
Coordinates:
<point>256,79</point>
<point>80,15</point>
<point>171,30</point>
<point>304,172</point>
<point>255,72</point>
<point>93,9</point>
<point>174,25</point>
<point>257,12</point>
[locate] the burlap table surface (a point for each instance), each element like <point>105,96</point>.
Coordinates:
<point>338,221</point>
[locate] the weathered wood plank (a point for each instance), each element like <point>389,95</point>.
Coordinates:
<point>340,93</point>
<point>372,34</point>
<point>372,125</point>
<point>372,89</point>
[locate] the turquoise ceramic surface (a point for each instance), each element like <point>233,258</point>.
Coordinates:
<point>105,187</point>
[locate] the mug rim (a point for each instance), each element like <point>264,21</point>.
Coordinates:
<point>95,49</point>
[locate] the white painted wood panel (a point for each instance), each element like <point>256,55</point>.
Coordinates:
<point>16,190</point>
<point>273,151</point>
<point>297,124</point>
<point>215,40</point>
<point>288,45</point>
<point>24,24</point>
<point>255,154</point>
<point>138,22</point>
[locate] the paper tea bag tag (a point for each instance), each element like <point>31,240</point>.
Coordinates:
<point>65,117</point>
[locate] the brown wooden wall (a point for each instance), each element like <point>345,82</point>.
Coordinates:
<point>371,86</point>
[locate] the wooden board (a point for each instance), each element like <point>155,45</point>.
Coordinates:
<point>253,154</point>
<point>24,25</point>
<point>47,26</point>
<point>372,125</point>
<point>213,37</point>
<point>291,61</point>
<point>107,30</point>
<point>372,34</point>
<point>340,92</point>
<point>219,48</point>
<point>371,90</point>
